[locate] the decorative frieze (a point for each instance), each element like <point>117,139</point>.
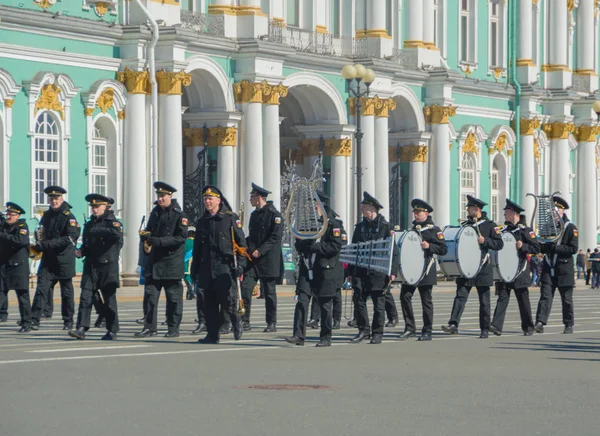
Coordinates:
<point>136,82</point>
<point>170,82</point>
<point>528,126</point>
<point>48,100</point>
<point>331,147</point>
<point>557,130</point>
<point>215,137</point>
<point>408,153</point>
<point>435,114</point>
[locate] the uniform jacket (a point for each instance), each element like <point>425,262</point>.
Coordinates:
<point>60,233</point>
<point>168,232</point>
<point>102,243</point>
<point>366,230</point>
<point>213,248</point>
<point>323,256</point>
<point>265,232</point>
<point>530,246</point>
<point>558,259</point>
<point>14,255</point>
<point>437,245</point>
<point>492,241</point>
<point>339,269</point>
<point>595,257</point>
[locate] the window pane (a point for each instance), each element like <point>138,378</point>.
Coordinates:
<point>292,13</point>
<point>335,17</point>
<point>99,156</point>
<point>464,38</point>
<point>99,184</point>
<point>388,21</point>
<point>465,5</point>
<point>495,9</point>
<point>494,43</point>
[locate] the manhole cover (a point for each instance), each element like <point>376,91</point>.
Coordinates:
<point>286,387</point>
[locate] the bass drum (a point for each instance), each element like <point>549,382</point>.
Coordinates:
<point>464,255</point>
<point>411,256</point>
<point>506,262</point>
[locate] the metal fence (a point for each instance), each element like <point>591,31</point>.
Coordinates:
<point>205,24</point>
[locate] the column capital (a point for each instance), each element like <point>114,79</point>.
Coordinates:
<point>272,93</point>
<point>310,147</point>
<point>408,153</point>
<point>367,106</point>
<point>170,82</point>
<point>435,114</point>
<point>9,102</point>
<point>383,106</point>
<point>528,126</point>
<point>249,92</point>
<point>136,82</point>
<point>587,133</point>
<point>557,130</point>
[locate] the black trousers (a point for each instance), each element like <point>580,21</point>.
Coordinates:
<point>174,293</point>
<point>522,294</point>
<point>269,288</point>
<point>24,305</point>
<point>390,306</point>
<point>304,294</point>
<point>200,306</point>
<point>218,299</point>
<point>406,294</point>
<point>3,305</point>
<point>462,295</point>
<point>107,307</point>
<point>45,284</point>
<point>49,309</point>
<point>364,289</point>
<point>315,307</point>
<point>547,291</point>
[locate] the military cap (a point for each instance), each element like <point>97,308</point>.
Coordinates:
<point>369,199</point>
<point>560,202</point>
<point>111,201</point>
<point>97,199</point>
<point>322,196</point>
<point>419,205</point>
<point>211,191</point>
<point>15,208</point>
<point>472,201</point>
<point>260,191</point>
<point>523,219</point>
<point>164,188</point>
<point>511,205</point>
<point>55,191</point>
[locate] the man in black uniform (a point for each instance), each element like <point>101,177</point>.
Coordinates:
<point>219,237</point>
<point>59,236</point>
<point>370,283</point>
<point>264,245</point>
<point>14,262</point>
<point>433,243</point>
<point>526,244</point>
<point>489,239</point>
<point>318,273</point>
<point>558,271</point>
<point>102,242</point>
<point>164,241</point>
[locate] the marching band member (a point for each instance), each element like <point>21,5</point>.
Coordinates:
<point>102,243</point>
<point>264,245</point>
<point>214,269</point>
<point>558,272</point>
<point>14,262</point>
<point>433,243</point>
<point>60,234</point>
<point>319,273</point>
<point>526,244</point>
<point>164,241</point>
<point>369,283</point>
<point>489,239</point>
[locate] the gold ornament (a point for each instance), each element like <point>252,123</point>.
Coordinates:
<point>106,100</point>
<point>170,82</point>
<point>383,106</point>
<point>558,130</point>
<point>587,133</point>
<point>435,114</point>
<point>528,126</point>
<point>272,93</point>
<point>413,153</point>
<point>248,92</point>
<point>88,111</point>
<point>469,145</point>
<point>222,136</point>
<point>48,99</point>
<point>121,115</point>
<point>44,4</point>
<point>136,82</point>
<point>8,103</point>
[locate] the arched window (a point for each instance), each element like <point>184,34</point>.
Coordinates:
<point>103,161</point>
<point>467,181</point>
<point>46,156</point>
<point>99,169</point>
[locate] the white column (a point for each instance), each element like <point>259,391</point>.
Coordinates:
<point>439,186</point>
<point>367,151</point>
<point>558,34</point>
<point>585,68</point>
<point>252,148</point>
<point>136,177</point>
<point>382,177</point>
<point>170,156</point>
<point>340,188</point>
<point>415,181</point>
<point>587,194</point>
<point>527,174</point>
<point>560,163</point>
<point>376,15</point>
<point>225,174</point>
<point>428,21</point>
<point>525,47</point>
<point>414,24</point>
<point>272,145</point>
<point>277,10</point>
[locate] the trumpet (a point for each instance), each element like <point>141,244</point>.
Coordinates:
<point>147,246</point>
<point>38,234</point>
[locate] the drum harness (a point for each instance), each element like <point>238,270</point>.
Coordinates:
<point>420,229</point>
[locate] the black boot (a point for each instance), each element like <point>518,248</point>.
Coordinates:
<point>392,323</point>
<point>407,334</point>
<point>294,340</point>
<point>376,339</point>
<point>450,328</point>
<point>145,333</point>
<point>100,322</point>
<point>313,324</point>
<point>201,328</point>
<point>324,342</point>
<point>271,327</point>
<point>360,337</point>
<point>336,325</point>
<point>78,334</point>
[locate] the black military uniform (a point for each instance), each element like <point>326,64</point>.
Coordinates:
<point>319,273</point>
<point>431,234</point>
<point>165,267</point>
<point>264,236</point>
<point>521,283</point>
<point>484,279</point>
<point>59,236</point>
<point>558,271</point>
<point>14,263</point>
<point>102,242</point>
<point>213,265</point>
<point>370,283</point>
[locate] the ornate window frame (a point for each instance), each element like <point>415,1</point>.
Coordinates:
<point>468,61</point>
<point>542,164</point>
<point>536,43</point>
<point>8,90</point>
<point>495,65</point>
<point>501,146</point>
<point>470,140</point>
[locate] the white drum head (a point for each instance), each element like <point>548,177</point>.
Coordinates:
<point>469,253</point>
<point>508,258</point>
<point>412,257</point>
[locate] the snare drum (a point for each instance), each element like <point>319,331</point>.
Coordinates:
<point>506,262</point>
<point>411,257</point>
<point>464,255</point>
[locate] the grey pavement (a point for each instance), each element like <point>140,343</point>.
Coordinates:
<point>455,385</point>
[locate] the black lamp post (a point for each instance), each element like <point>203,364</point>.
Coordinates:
<point>355,75</point>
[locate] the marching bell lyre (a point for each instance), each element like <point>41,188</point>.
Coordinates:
<point>550,226</point>
<point>302,214</point>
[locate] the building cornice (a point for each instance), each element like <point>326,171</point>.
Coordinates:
<point>484,112</point>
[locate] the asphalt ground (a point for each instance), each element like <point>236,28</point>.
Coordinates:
<point>455,385</point>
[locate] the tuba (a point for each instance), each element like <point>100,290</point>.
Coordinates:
<point>38,235</point>
<point>550,226</point>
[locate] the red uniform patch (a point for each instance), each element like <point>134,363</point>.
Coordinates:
<point>184,221</point>
<point>440,235</point>
<point>576,233</point>
<point>23,232</point>
<point>73,223</point>
<point>116,224</point>
<point>337,233</point>
<point>532,234</point>
<point>239,224</point>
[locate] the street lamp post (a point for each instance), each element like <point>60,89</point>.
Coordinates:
<point>355,75</point>
<point>596,108</point>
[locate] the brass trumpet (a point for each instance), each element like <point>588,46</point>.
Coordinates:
<point>38,233</point>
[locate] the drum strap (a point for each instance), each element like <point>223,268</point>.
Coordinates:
<point>309,262</point>
<point>555,258</point>
<point>427,227</point>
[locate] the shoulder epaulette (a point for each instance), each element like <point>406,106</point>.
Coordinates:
<point>66,212</point>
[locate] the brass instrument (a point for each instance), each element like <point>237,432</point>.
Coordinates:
<point>550,226</point>
<point>241,251</point>
<point>38,235</point>
<point>147,246</point>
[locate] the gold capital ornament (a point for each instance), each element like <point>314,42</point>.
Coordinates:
<point>8,103</point>
<point>587,133</point>
<point>136,82</point>
<point>413,153</point>
<point>528,126</point>
<point>383,106</point>
<point>367,106</point>
<point>170,82</point>
<point>557,130</point>
<point>435,114</point>
<point>248,92</point>
<point>222,136</point>
<point>88,111</point>
<point>272,93</point>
